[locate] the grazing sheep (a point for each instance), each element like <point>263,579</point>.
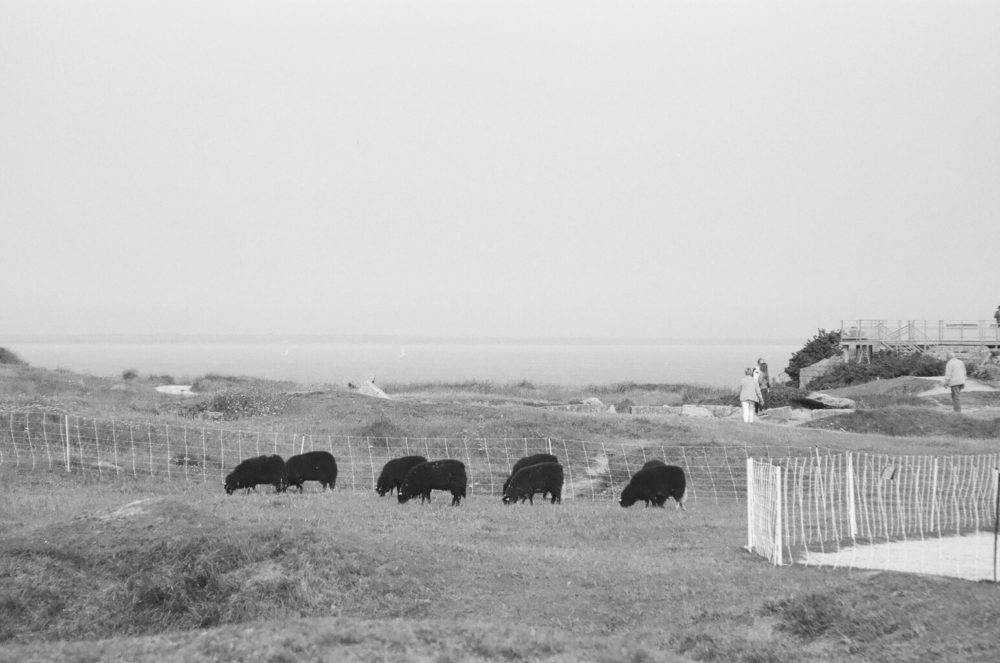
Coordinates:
<point>445,474</point>
<point>312,466</point>
<point>654,463</point>
<point>259,470</point>
<point>538,478</point>
<point>655,484</point>
<point>527,461</point>
<point>394,472</point>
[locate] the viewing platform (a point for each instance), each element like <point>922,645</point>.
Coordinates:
<point>860,338</point>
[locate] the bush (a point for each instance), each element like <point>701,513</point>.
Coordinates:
<point>130,374</point>
<point>821,346</point>
<point>8,357</point>
<point>382,431</point>
<point>624,406</point>
<point>884,366</point>
<point>781,395</point>
<point>238,403</point>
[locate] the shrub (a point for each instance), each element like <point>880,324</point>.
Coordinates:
<point>821,346</point>
<point>8,357</point>
<point>884,365</point>
<point>130,374</point>
<point>781,395</point>
<point>382,431</point>
<point>624,406</point>
<point>238,403</point>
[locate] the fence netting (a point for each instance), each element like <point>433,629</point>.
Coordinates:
<point>926,514</point>
<point>117,450</point>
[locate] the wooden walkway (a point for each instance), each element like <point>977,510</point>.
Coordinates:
<point>860,338</point>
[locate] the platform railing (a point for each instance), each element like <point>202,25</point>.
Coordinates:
<point>921,332</point>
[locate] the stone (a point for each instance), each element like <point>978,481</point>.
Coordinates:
<point>820,414</point>
<point>820,368</point>
<point>369,388</point>
<point>828,401</point>
<point>696,411</point>
<point>656,409</point>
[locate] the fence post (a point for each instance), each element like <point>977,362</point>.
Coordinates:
<point>66,422</point>
<point>778,525</point>
<point>751,496</point>
<point>852,516</point>
<point>996,519</point>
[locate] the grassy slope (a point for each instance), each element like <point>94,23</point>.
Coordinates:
<point>196,575</point>
<point>83,578</point>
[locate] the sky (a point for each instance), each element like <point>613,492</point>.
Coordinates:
<point>501,169</point>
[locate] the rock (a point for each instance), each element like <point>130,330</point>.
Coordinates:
<point>599,466</point>
<point>722,411</point>
<point>822,367</point>
<point>657,409</point>
<point>369,388</point>
<point>696,411</point>
<point>828,401</point>
<point>820,414</point>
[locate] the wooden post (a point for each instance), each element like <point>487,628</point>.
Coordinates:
<point>778,508</point>
<point>66,421</point>
<point>750,504</point>
<point>852,516</point>
<point>996,519</point>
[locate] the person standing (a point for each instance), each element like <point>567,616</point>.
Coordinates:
<point>764,379</point>
<point>996,316</point>
<point>954,377</point>
<point>750,395</point>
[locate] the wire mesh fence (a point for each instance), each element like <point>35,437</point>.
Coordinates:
<point>929,514</point>
<point>108,449</point>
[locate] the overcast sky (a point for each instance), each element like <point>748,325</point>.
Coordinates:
<point>660,169</point>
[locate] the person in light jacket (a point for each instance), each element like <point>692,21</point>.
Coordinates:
<point>954,377</point>
<point>750,395</point>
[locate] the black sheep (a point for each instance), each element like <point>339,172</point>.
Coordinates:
<point>259,470</point>
<point>394,472</point>
<point>527,461</point>
<point>312,466</point>
<point>653,463</point>
<point>538,478</point>
<point>424,477</point>
<point>654,485</point>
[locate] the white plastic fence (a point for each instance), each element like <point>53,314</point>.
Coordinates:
<point>928,514</point>
<point>116,450</point>
<point>764,510</point>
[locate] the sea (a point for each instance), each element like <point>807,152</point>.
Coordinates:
<point>565,363</point>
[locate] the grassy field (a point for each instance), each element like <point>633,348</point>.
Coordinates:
<point>174,570</point>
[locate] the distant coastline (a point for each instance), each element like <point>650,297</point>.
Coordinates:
<point>374,339</point>
<point>287,358</point>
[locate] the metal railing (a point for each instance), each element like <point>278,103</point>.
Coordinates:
<point>919,332</point>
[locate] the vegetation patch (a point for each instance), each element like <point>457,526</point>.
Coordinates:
<point>151,567</point>
<point>8,357</point>
<point>909,421</point>
<point>382,430</point>
<point>884,365</point>
<point>231,404</point>
<point>823,345</point>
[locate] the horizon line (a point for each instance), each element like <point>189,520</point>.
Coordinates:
<point>396,339</point>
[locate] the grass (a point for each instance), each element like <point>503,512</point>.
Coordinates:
<point>344,575</point>
<point>192,574</point>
